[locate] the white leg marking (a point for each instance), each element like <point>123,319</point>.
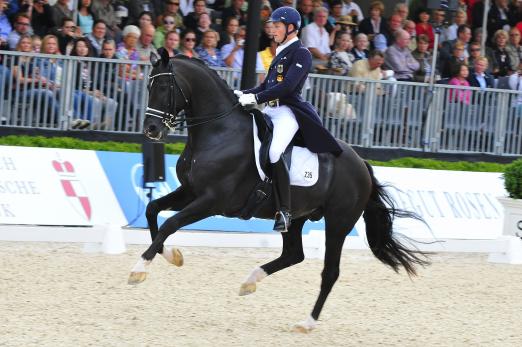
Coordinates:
<point>306,326</point>
<point>141,266</point>
<point>167,254</point>
<point>249,286</point>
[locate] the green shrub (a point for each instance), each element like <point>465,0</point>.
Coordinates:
<point>513,179</point>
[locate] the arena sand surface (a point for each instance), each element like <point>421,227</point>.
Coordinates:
<point>53,294</point>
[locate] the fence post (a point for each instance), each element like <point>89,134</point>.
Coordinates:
<point>501,123</point>
<point>67,87</point>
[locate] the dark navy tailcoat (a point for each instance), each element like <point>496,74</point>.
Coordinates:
<point>284,81</point>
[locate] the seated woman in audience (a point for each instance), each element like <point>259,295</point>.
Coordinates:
<point>514,43</point>
<point>30,85</point>
<point>424,27</point>
<point>424,57</point>
<point>504,59</point>
<point>144,19</point>
<point>168,24</point>
<point>203,26</point>
<point>459,78</point>
<point>127,50</point>
<point>360,51</point>
<point>340,61</point>
<point>85,18</point>
<point>51,68</point>
<point>89,101</point>
<point>188,42</point>
<point>171,43</point>
<point>449,33</point>
<point>207,50</point>
<point>457,57</point>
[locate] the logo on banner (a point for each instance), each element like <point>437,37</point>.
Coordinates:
<point>73,188</point>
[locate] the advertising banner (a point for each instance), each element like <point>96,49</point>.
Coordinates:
<point>48,186</point>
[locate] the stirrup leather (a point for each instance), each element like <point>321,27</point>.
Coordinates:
<point>282,221</point>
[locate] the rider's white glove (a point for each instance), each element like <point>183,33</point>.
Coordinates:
<point>247,99</point>
<point>238,93</point>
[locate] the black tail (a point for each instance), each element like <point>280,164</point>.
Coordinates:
<point>378,216</point>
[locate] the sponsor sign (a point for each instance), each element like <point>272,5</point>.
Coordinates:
<point>49,186</point>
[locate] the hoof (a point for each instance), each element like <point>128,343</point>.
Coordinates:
<point>306,326</point>
<point>177,257</point>
<point>137,277</point>
<point>247,288</point>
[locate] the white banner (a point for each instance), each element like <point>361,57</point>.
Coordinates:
<point>50,186</point>
<point>455,204</point>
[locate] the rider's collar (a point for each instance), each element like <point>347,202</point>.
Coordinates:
<point>283,46</point>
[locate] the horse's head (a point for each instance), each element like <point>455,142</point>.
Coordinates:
<point>166,98</point>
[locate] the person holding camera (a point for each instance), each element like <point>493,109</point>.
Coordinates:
<point>66,34</point>
<point>41,15</point>
<point>233,52</point>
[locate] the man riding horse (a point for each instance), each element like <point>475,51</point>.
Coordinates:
<point>281,91</point>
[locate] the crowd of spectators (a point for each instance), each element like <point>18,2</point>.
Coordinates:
<point>341,38</point>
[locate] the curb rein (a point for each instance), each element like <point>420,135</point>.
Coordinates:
<point>169,119</point>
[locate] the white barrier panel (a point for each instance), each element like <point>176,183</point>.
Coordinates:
<point>48,186</point>
<point>455,204</point>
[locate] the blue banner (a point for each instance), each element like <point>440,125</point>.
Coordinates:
<point>125,174</point>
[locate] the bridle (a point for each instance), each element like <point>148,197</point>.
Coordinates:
<point>169,118</point>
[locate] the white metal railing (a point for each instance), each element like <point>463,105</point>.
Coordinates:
<point>361,112</point>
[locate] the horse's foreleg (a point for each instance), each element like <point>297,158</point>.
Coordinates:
<point>292,254</point>
<point>193,212</point>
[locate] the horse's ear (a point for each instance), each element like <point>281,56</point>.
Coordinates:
<point>154,59</point>
<point>164,56</point>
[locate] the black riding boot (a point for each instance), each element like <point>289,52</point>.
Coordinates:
<point>281,181</point>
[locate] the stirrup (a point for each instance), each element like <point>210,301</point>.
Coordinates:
<point>282,221</point>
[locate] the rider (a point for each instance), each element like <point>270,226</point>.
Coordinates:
<point>281,91</point>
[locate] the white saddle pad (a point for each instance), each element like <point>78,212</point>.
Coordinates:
<point>304,170</point>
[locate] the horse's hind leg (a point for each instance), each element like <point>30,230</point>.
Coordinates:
<point>335,236</point>
<point>292,254</point>
<point>174,201</point>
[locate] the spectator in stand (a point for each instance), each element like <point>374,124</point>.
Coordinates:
<point>459,78</point>
<point>463,37</point>
<point>305,9</point>
<point>97,36</point>
<point>268,54</point>
<point>350,8</point>
<point>450,33</point>
<point>36,43</point>
<point>203,26</point>
<point>171,43</point>
<point>315,37</point>
<point>386,39</point>
<point>375,23</point>
<point>227,36</point>
<point>85,18</point>
<point>499,17</point>
<point>191,20</point>
<point>475,53</point>
<point>168,24</point>
<point>103,9</point>
<point>233,52</point>
<point>144,45</point>
<point>66,34</point>
<point>360,50</point>
<point>136,9</point>
<point>514,43</point>
<point>188,43</point>
<point>515,83</point>
<point>234,10</point>
<point>208,51</point>
<point>144,19</point>
<point>424,57</point>
<point>61,10</point>
<point>186,7</point>
<point>266,36</point>
<point>479,77</point>
<point>5,25</point>
<point>368,69</point>
<point>340,61</point>
<point>41,15</point>
<point>411,28</point>
<point>457,58</point>
<point>22,27</point>
<point>476,14</point>
<point>438,18</point>
<point>336,13</point>
<point>172,9</point>
<point>402,10</point>
<point>504,58</point>
<point>108,50</point>
<point>126,50</point>
<point>399,58</point>
<point>424,27</point>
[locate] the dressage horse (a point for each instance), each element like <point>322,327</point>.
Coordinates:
<point>217,174</point>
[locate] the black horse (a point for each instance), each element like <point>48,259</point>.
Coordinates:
<point>217,174</point>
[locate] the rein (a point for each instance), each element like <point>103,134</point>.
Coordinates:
<point>169,118</point>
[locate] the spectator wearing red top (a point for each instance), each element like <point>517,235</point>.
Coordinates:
<point>424,27</point>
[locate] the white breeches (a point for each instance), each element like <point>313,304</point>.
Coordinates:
<point>285,127</point>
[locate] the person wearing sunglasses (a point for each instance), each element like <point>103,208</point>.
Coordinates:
<point>168,24</point>
<point>171,9</point>
<point>188,43</point>
<point>22,27</point>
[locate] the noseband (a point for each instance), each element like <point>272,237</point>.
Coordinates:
<point>169,118</point>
